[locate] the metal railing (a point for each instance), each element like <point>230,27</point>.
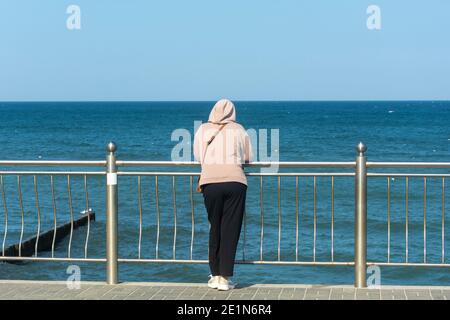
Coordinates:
<point>355,170</point>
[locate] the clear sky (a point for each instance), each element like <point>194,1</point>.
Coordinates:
<point>240,49</point>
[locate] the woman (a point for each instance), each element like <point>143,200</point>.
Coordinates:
<point>222,146</point>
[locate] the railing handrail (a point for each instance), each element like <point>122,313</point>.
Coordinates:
<point>256,164</point>
<point>137,163</point>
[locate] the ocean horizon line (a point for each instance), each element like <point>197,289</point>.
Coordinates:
<point>195,101</point>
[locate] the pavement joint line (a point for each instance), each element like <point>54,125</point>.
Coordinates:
<point>254,294</point>
<point>279,295</point>
<point>155,293</point>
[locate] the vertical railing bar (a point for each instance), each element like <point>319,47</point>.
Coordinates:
<point>86,193</point>
<point>6,216</point>
<point>174,193</point>
<point>389,217</point>
<point>407,220</point>
<point>315,221</point>
<point>296,218</point>
<point>361,217</point>
<point>157,216</point>
<point>192,215</point>
<point>209,232</point>
<point>38,231</point>
<point>112,207</point>
<point>424,219</point>
<point>332,218</point>
<point>261,203</point>
<point>279,218</point>
<point>22,222</point>
<point>140,217</point>
<point>69,192</point>
<point>88,230</point>
<point>443,220</point>
<point>54,215</point>
<point>245,233</point>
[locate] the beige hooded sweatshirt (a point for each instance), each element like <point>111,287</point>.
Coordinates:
<point>231,147</point>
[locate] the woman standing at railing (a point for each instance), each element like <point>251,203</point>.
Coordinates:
<point>222,146</point>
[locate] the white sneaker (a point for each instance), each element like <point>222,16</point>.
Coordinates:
<point>213,281</point>
<point>225,284</point>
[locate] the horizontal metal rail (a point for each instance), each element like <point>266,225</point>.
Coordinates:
<point>285,164</point>
<point>424,165</point>
<point>249,174</point>
<point>74,163</point>
<point>403,175</point>
<point>54,259</point>
<point>53,173</point>
<point>252,262</point>
<point>409,264</point>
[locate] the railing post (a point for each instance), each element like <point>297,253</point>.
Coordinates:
<point>360,217</point>
<point>111,215</point>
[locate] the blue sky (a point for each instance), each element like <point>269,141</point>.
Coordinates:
<point>243,50</point>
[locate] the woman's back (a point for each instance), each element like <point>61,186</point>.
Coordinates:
<point>229,149</point>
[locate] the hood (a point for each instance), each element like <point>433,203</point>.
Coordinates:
<point>222,112</point>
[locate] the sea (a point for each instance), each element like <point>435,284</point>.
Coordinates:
<point>307,220</point>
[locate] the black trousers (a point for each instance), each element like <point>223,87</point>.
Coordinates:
<point>225,204</point>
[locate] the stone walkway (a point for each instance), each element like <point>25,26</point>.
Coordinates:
<point>54,290</point>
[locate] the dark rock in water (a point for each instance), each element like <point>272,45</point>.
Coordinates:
<point>45,239</point>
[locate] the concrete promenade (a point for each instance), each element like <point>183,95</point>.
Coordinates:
<point>56,290</point>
